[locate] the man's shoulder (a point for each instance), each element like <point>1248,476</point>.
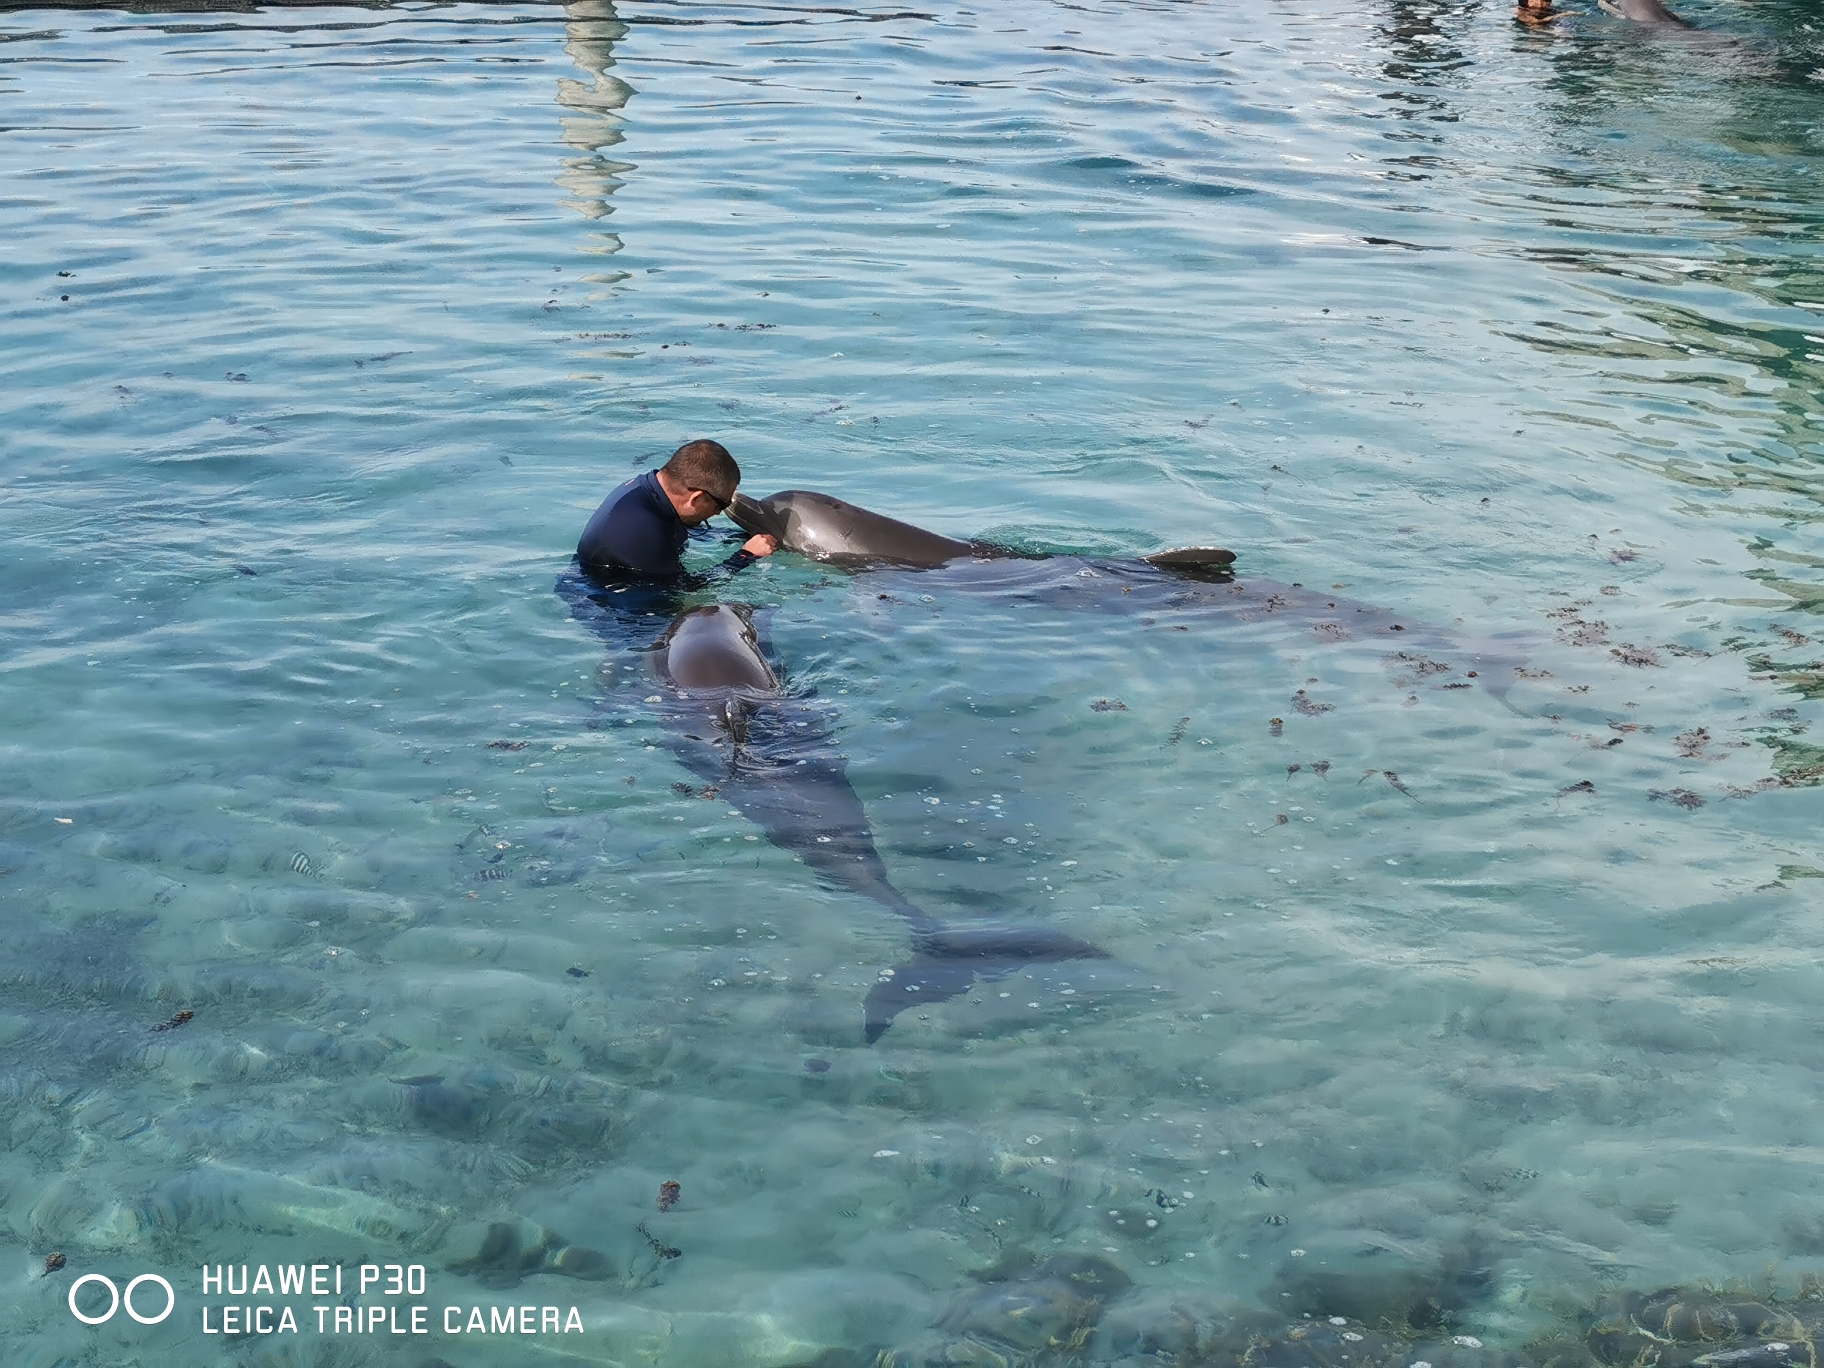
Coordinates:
<point>632,498</point>
<point>635,488</point>
<point>631,530</point>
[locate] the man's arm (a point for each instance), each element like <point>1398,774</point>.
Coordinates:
<point>750,551</point>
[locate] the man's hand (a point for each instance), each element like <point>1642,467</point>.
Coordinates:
<point>760,544</point>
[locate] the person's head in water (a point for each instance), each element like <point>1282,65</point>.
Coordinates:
<point>700,480</point>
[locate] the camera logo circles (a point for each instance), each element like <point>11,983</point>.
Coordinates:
<point>117,1299</point>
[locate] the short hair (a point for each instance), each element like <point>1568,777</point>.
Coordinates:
<point>707,466</point>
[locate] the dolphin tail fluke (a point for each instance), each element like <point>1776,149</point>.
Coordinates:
<point>913,984</point>
<point>949,959</point>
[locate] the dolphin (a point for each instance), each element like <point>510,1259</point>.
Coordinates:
<point>771,755</point>
<point>825,528</point>
<point>1643,12</point>
<point>1193,582</point>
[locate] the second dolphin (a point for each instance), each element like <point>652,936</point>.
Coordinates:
<point>771,755</point>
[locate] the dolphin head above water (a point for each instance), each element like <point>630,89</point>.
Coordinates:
<point>825,528</point>
<point>715,647</point>
<point>713,653</point>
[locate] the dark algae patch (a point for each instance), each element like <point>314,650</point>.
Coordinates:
<point>659,1247</point>
<point>1691,743</point>
<point>1641,656</point>
<point>1021,1311</point>
<point>1806,680</point>
<point>1795,764</point>
<point>1307,706</point>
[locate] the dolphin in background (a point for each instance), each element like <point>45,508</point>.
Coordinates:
<point>771,755</point>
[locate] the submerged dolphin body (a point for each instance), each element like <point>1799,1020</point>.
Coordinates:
<point>771,756</point>
<point>1643,12</point>
<point>1193,583</point>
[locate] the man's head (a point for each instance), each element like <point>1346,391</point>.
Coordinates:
<point>700,480</point>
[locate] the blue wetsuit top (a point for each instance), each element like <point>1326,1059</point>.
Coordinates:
<point>637,534</point>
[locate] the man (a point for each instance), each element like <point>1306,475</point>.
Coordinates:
<point>640,530</point>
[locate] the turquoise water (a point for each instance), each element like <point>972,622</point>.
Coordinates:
<point>1511,332</point>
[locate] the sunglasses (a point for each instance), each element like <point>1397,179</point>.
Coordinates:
<point>721,504</point>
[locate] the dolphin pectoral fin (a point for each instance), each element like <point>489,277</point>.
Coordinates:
<point>1499,663</point>
<point>1497,682</point>
<point>734,720</point>
<point>911,984</point>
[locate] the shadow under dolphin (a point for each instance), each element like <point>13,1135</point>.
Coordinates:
<point>1189,583</point>
<point>771,755</point>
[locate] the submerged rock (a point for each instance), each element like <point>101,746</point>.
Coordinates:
<point>1330,1342</point>
<point>1161,1328</point>
<point>1698,1328</point>
<point>510,1251</point>
<point>1023,1311</point>
<point>842,1358</point>
<point>1368,1277</point>
<point>1027,1314</point>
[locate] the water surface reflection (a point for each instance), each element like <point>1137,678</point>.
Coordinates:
<point>301,744</point>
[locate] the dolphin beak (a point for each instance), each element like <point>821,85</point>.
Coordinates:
<point>755,518</point>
